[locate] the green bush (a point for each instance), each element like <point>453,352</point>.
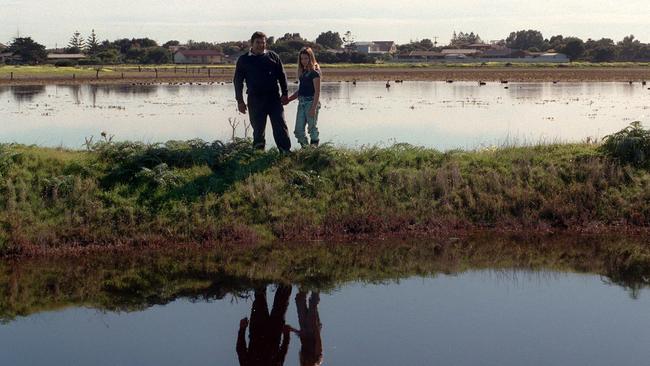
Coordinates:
<point>630,145</point>
<point>90,61</point>
<point>65,63</point>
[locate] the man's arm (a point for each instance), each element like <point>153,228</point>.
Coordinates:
<point>282,78</point>
<point>238,80</point>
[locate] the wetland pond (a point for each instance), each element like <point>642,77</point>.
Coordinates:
<point>432,114</point>
<point>482,302</point>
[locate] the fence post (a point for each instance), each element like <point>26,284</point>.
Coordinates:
<point>156,70</point>
<point>74,76</point>
<point>97,74</point>
<point>122,75</point>
<point>139,68</point>
<point>12,75</point>
<point>208,72</point>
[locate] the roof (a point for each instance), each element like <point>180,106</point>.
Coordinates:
<point>460,51</point>
<point>424,54</point>
<point>65,56</point>
<point>2,46</point>
<point>480,45</point>
<point>198,53</point>
<point>363,43</point>
<point>498,52</point>
<point>385,46</point>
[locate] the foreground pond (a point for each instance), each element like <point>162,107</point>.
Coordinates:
<point>432,114</point>
<point>468,302</point>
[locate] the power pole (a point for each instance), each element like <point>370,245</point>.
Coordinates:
<point>435,41</point>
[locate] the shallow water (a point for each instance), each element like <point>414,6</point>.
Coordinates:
<point>476,301</point>
<point>432,114</point>
<point>486,317</point>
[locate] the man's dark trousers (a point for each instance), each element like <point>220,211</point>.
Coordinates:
<point>261,106</point>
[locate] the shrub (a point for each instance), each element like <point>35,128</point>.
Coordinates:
<point>65,63</point>
<point>630,145</point>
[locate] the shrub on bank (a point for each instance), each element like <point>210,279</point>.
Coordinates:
<point>630,145</point>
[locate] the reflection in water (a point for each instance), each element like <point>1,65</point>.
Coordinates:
<point>26,93</point>
<point>311,346</point>
<point>268,333</point>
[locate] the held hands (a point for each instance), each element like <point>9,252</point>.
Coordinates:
<point>285,100</point>
<point>242,107</point>
<point>243,323</point>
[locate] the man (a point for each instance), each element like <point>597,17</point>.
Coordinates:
<point>263,71</point>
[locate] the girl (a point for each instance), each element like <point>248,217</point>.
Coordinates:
<point>308,95</point>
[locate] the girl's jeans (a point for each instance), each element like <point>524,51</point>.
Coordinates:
<point>303,118</point>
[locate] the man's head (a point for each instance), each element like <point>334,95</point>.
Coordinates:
<point>258,43</point>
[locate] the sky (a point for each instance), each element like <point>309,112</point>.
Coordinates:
<point>52,22</point>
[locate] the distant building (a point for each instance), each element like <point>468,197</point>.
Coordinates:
<point>460,53</point>
<point>2,47</point>
<point>6,56</point>
<point>198,57</point>
<point>553,57</point>
<point>375,47</point>
<point>386,46</point>
<point>419,56</point>
<point>53,57</point>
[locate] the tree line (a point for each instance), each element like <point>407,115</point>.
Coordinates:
<point>329,46</point>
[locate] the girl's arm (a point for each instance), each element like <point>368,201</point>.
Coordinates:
<point>314,104</point>
<point>294,96</point>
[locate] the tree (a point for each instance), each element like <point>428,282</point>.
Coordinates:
<point>461,39</point>
<point>92,45</point>
<point>330,39</point>
<point>76,44</point>
<point>527,39</point>
<point>348,39</point>
<point>629,48</point>
<point>31,52</point>
<point>291,37</point>
<point>171,43</point>
<point>573,47</point>
<point>156,55</point>
<point>602,50</point>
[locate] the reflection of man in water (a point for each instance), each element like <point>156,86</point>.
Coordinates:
<point>311,350</point>
<point>268,333</point>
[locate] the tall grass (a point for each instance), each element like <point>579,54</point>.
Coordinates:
<point>196,191</point>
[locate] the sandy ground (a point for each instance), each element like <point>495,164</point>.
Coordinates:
<point>518,74</point>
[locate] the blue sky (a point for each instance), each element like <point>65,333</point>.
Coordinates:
<point>52,22</point>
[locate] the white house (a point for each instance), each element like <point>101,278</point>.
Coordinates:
<point>198,57</point>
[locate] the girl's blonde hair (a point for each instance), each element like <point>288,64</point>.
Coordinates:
<point>312,65</point>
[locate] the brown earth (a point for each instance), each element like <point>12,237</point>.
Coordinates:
<point>518,74</point>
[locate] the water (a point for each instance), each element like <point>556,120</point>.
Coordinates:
<point>473,318</point>
<point>469,302</point>
<point>432,114</point>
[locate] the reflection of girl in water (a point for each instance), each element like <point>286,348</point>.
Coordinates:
<point>268,333</point>
<point>311,349</point>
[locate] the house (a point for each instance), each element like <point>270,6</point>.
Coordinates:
<point>365,47</point>
<point>198,57</point>
<point>6,56</point>
<point>419,56</point>
<point>53,57</point>
<point>2,47</point>
<point>553,57</point>
<point>480,46</point>
<point>498,52</point>
<point>386,46</point>
<point>461,53</point>
<point>375,47</point>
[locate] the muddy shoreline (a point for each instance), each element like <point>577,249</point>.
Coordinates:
<point>488,74</point>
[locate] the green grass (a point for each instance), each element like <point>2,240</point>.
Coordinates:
<point>195,191</point>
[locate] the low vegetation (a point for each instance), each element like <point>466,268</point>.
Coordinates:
<point>195,191</point>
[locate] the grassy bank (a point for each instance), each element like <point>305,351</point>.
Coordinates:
<point>127,280</point>
<point>194,191</point>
